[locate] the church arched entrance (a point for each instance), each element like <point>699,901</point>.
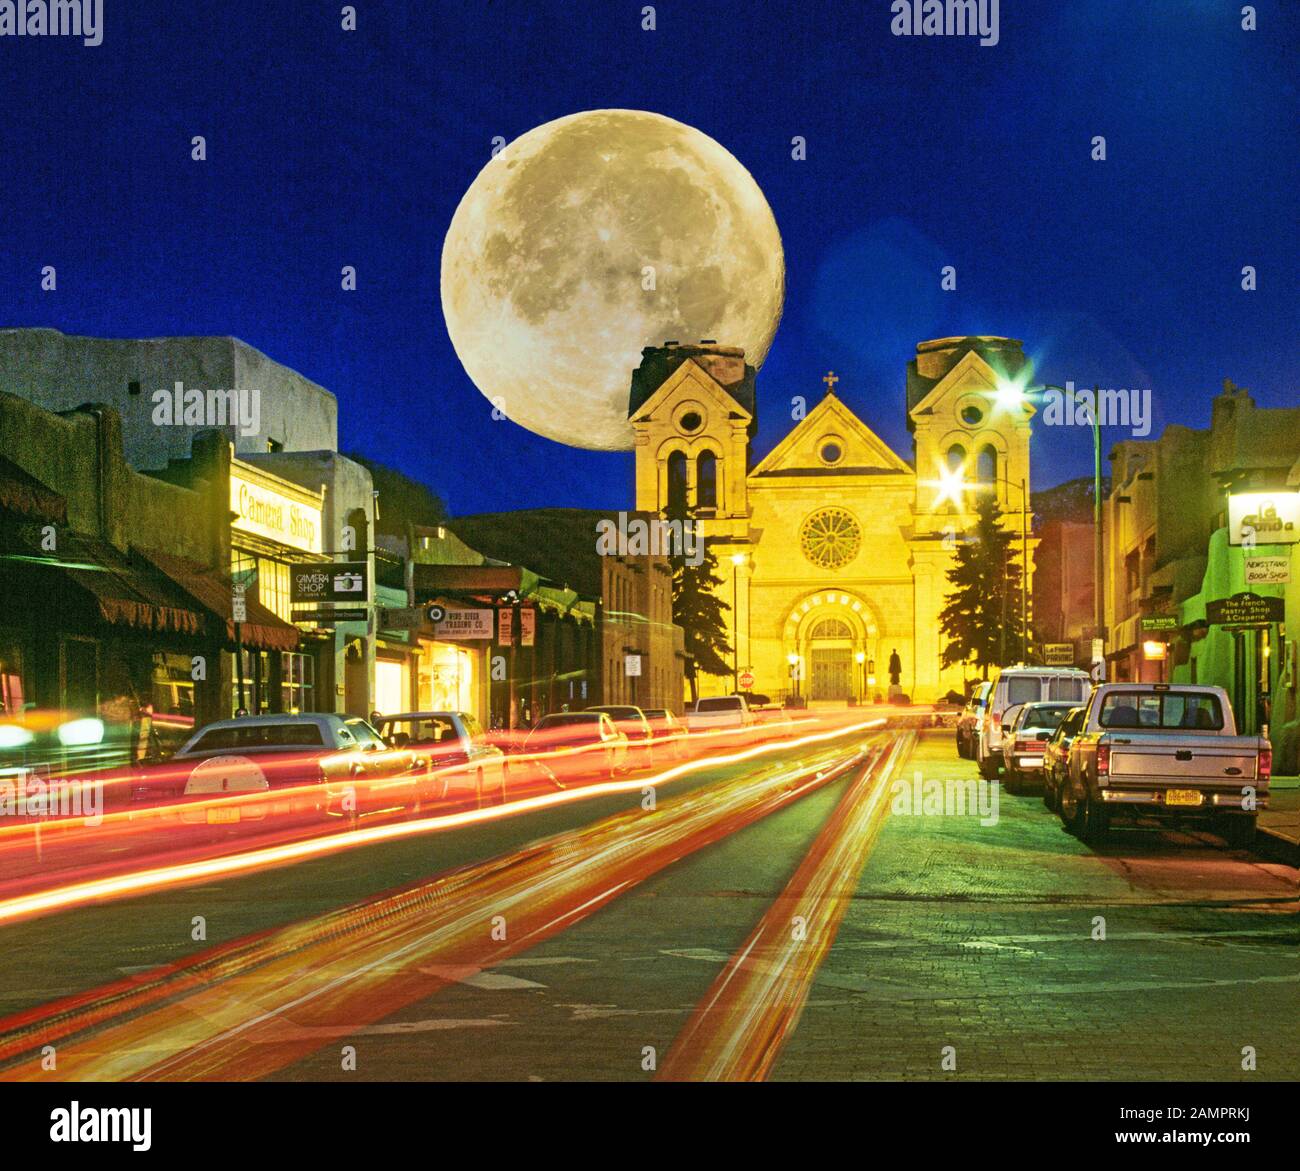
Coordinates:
<point>830,643</point>
<point>830,655</point>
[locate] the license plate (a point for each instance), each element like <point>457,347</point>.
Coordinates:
<point>222,816</point>
<point>1182,797</point>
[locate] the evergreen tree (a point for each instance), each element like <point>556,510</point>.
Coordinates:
<point>982,615</point>
<point>698,609</point>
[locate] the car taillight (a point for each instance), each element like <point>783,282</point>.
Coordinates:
<point>1103,758</point>
<point>1265,769</point>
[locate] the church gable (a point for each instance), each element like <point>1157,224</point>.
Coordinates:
<point>971,378</point>
<point>690,381</point>
<point>831,441</point>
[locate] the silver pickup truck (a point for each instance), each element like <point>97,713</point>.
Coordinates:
<point>1164,750</point>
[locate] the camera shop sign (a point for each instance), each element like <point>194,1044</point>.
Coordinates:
<point>1245,610</point>
<point>342,581</point>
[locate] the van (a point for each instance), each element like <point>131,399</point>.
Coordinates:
<point>1013,686</point>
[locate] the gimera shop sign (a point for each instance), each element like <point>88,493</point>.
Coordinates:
<point>261,510</point>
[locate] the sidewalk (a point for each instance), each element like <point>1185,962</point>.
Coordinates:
<point>1278,838</point>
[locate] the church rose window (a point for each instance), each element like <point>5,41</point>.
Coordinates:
<point>830,538</point>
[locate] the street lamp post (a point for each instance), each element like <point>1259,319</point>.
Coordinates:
<point>737,560</point>
<point>1098,566</point>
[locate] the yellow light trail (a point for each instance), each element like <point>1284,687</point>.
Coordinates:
<point>244,1010</point>
<point>165,877</point>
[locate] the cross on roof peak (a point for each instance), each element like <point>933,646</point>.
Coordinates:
<point>830,378</point>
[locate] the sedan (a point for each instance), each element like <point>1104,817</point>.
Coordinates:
<point>1024,740</point>
<point>1056,757</point>
<point>579,743</point>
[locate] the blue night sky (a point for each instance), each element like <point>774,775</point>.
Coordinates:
<point>329,148</point>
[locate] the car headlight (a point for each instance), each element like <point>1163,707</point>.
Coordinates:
<point>78,733</point>
<point>14,736</point>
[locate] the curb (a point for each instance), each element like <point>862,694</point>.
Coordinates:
<point>1274,847</point>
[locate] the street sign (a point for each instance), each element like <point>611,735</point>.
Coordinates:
<point>1160,622</point>
<point>746,680</point>
<point>401,618</point>
<point>1058,654</point>
<point>328,617</point>
<point>527,625</point>
<point>1245,609</point>
<point>339,581</point>
<point>1268,571</point>
<point>1263,518</point>
<point>1097,669</point>
<point>463,625</point>
<point>631,665</point>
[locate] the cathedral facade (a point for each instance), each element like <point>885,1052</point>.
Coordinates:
<point>833,549</point>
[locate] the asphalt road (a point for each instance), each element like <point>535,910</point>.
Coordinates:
<point>817,930</point>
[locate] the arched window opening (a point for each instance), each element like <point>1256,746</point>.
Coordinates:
<point>677,483</point>
<point>986,469</point>
<point>706,481</point>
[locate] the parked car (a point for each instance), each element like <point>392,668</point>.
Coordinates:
<point>632,722</point>
<point>719,711</point>
<point>335,764</point>
<point>1168,751</point>
<point>669,733</point>
<point>970,718</point>
<point>1056,756</point>
<point>1024,740</point>
<point>776,719</point>
<point>449,739</point>
<point>1016,685</point>
<point>589,737</point>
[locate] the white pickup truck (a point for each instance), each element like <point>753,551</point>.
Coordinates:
<point>1164,750</point>
<point>720,711</point>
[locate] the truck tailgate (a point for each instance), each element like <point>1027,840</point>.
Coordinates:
<point>1230,760</point>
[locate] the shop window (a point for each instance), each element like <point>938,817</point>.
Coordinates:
<point>297,682</point>
<point>390,686</point>
<point>173,701</point>
<point>13,696</point>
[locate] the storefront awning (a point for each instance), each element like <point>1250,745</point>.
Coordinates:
<point>23,494</point>
<point>472,579</point>
<point>124,590</point>
<point>214,591</point>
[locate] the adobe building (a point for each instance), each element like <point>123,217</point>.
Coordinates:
<point>292,499</point>
<point>1195,518</point>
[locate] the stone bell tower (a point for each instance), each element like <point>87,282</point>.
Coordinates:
<point>693,414</point>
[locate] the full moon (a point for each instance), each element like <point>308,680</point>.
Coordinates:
<point>589,238</point>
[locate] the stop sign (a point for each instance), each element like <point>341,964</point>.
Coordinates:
<point>747,679</point>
